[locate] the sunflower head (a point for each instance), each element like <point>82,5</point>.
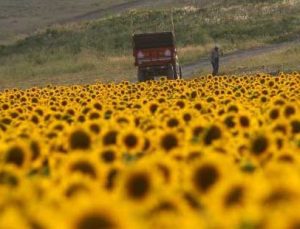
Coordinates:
<point>205,177</point>
<point>169,141</point>
<point>259,145</point>
<point>80,139</point>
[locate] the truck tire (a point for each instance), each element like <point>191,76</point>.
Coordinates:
<point>141,77</point>
<point>171,73</point>
<point>150,78</point>
<point>180,72</point>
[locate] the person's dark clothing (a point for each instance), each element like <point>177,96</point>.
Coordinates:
<point>215,55</point>
<point>215,65</point>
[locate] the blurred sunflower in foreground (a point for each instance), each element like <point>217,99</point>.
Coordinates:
<point>202,153</point>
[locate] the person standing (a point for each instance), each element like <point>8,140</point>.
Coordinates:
<point>214,58</point>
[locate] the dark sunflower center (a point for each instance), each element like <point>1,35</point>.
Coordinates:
<point>198,107</point>
<point>244,121</point>
<point>169,142</point>
<point>187,117</point>
<point>192,201</point>
<point>131,141</point>
<point>111,177</point>
<point>108,156</point>
<point>15,155</point>
<point>234,196</point>
<point>35,224</point>
<point>289,110</point>
<point>229,122</point>
<point>80,140</point>
<point>153,108</point>
<point>94,116</point>
<point>205,177</point>
<point>110,138</point>
<point>95,221</point>
<point>277,196</point>
<point>295,126</point>
<point>197,131</point>
<point>295,225</point>
<point>74,189</point>
<point>85,168</point>
<point>8,179</point>
<point>286,158</point>
<point>259,145</point>
<point>165,206</point>
<point>138,186</point>
<point>95,128</point>
<point>180,104</point>
<point>212,134</point>
<point>274,114</point>
<point>173,122</point>
<point>35,149</point>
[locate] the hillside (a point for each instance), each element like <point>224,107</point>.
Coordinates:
<point>23,17</point>
<point>101,49</point>
<point>20,18</point>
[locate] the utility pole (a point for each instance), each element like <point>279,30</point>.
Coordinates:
<point>172,22</point>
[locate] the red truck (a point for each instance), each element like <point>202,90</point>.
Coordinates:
<point>155,55</point>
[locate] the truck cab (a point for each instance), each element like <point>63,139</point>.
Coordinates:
<point>155,55</point>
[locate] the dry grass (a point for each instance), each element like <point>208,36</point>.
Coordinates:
<point>192,53</point>
<point>285,59</point>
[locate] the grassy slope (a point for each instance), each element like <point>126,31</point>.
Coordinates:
<point>19,17</point>
<point>102,49</point>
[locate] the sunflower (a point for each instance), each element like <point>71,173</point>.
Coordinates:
<point>173,122</point>
<point>187,116</point>
<point>112,175</point>
<point>109,155</point>
<point>207,174</point>
<point>83,165</point>
<point>168,212</point>
<point>169,141</point>
<point>289,110</point>
<point>80,139</point>
<point>100,213</point>
<point>137,185</point>
<point>132,141</point>
<point>110,137</point>
<point>9,176</point>
<point>95,128</point>
<point>153,107</point>
<point>295,126</point>
<point>205,177</point>
<point>244,121</point>
<point>75,186</point>
<point>17,155</point>
<point>259,145</point>
<point>212,134</point>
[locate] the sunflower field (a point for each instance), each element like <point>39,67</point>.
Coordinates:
<point>209,152</point>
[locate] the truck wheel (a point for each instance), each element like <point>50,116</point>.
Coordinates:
<point>150,78</point>
<point>141,77</point>
<point>171,73</point>
<point>180,72</point>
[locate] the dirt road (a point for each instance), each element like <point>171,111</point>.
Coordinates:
<point>101,13</point>
<point>191,69</point>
